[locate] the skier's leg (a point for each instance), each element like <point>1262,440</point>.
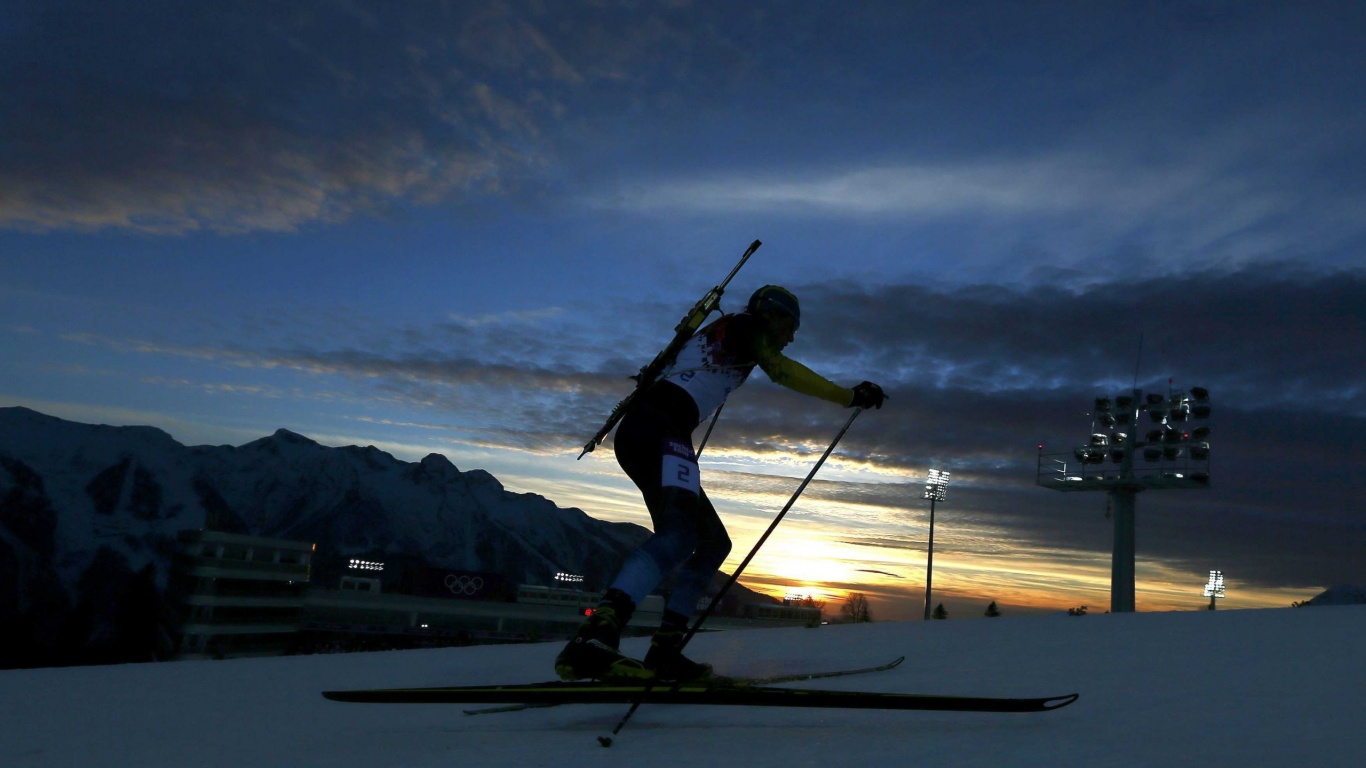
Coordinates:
<point>665,656</point>
<point>654,463</point>
<point>665,470</point>
<point>711,549</point>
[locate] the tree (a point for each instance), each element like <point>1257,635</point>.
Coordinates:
<point>855,609</point>
<point>992,610</point>
<point>939,612</point>
<point>1077,611</point>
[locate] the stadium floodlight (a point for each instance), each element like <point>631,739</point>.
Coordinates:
<point>1214,589</point>
<point>365,565</point>
<point>568,578</point>
<point>1168,456</point>
<point>936,486</point>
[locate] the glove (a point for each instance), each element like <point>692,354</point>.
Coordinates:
<point>867,395</point>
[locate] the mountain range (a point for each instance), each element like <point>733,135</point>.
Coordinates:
<point>89,516</point>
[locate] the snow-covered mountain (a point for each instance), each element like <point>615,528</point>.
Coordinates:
<point>90,513</point>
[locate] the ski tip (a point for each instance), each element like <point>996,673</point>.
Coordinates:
<point>605,741</point>
<point>1058,702</point>
<point>896,662</point>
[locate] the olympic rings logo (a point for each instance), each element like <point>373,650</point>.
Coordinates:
<point>464,585</point>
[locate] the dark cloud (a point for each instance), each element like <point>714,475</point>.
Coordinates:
<point>980,376</point>
<point>256,116</point>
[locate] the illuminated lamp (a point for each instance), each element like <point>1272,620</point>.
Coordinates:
<point>1200,451</point>
<point>1102,405</point>
<point>1215,588</point>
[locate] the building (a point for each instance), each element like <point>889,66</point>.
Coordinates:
<point>239,595</point>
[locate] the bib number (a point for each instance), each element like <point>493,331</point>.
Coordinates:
<point>679,468</point>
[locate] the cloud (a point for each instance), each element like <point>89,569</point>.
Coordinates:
<point>166,120</point>
<point>978,377</point>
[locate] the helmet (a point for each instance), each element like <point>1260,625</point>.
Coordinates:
<point>776,299</point>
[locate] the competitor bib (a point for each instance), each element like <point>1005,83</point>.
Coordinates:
<point>679,468</point>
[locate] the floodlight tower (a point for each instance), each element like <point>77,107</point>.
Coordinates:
<point>935,486</point>
<point>1215,588</point>
<point>1174,457</point>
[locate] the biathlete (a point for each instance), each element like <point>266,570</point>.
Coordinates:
<point>654,446</point>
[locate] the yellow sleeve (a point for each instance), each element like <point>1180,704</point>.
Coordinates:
<point>789,373</point>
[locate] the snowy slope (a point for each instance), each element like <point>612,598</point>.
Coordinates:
<point>1282,687</point>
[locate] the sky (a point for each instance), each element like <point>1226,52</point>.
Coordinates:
<point>459,228</point>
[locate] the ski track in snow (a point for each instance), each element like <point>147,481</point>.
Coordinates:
<point>1237,688</point>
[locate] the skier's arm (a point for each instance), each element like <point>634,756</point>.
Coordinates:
<point>789,373</point>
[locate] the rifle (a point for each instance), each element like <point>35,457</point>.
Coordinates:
<point>686,327</point>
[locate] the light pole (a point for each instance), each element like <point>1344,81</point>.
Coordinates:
<point>1174,456</point>
<point>935,486</point>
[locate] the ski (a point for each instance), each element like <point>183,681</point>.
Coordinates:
<point>686,327</point>
<point>745,696</point>
<point>739,681</point>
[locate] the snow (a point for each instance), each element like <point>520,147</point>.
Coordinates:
<point>1233,688</point>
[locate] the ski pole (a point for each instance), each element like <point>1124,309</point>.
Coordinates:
<point>606,741</point>
<point>712,426</point>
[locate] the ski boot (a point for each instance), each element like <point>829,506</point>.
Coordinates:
<point>665,657</point>
<point>593,652</point>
